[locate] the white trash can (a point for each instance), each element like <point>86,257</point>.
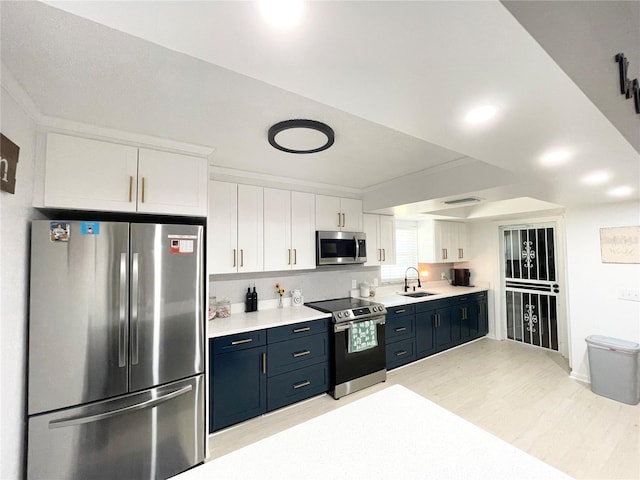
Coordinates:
<point>614,369</point>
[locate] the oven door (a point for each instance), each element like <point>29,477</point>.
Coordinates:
<point>340,248</point>
<point>350,366</point>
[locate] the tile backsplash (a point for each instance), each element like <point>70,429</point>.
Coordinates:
<point>320,284</point>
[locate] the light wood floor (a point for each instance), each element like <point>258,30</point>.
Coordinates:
<point>521,394</point>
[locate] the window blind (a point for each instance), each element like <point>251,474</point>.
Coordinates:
<point>406,252</point>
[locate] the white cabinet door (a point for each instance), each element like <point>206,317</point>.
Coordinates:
<point>222,228</point>
<point>250,228</point>
<point>374,251</point>
<point>387,239</point>
<point>351,215</point>
<point>328,213</point>
<point>278,254</point>
<point>172,183</point>
<point>303,230</point>
<point>89,174</point>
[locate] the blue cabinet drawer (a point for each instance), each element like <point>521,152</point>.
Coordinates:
<point>431,305</point>
<point>296,330</point>
<point>400,310</point>
<point>400,328</point>
<point>238,341</point>
<point>294,386</point>
<point>401,353</point>
<point>298,353</point>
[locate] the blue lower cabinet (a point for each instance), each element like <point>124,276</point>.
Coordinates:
<point>238,386</point>
<point>297,385</point>
<point>400,353</point>
<point>425,340</point>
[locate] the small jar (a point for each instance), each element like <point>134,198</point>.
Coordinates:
<point>213,304</point>
<point>223,308</point>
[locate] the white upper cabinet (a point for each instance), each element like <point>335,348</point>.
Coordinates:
<point>381,239</point>
<point>172,183</point>
<point>234,228</point>
<point>289,230</point>
<point>89,174</point>
<point>442,242</point>
<point>338,214</point>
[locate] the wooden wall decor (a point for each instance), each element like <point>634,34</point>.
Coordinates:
<point>9,152</point>
<point>620,245</point>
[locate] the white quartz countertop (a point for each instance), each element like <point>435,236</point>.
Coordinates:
<point>391,434</point>
<point>390,297</point>
<point>272,317</point>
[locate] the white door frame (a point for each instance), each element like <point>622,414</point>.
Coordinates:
<point>560,253</point>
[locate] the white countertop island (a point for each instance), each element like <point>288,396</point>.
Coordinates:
<point>393,433</point>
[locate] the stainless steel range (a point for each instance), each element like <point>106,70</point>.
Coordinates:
<point>359,355</point>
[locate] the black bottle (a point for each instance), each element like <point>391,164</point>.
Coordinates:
<point>248,301</point>
<point>254,300</point>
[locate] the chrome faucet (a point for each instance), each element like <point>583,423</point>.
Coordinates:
<point>406,284</point>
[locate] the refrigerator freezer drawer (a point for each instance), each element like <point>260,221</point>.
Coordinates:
<point>148,435</point>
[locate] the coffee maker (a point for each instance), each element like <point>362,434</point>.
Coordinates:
<point>460,277</point>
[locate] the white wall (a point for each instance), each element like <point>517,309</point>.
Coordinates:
<point>15,214</point>
<point>594,306</point>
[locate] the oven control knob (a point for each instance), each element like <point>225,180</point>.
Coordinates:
<point>375,309</point>
<point>339,314</point>
<point>346,314</point>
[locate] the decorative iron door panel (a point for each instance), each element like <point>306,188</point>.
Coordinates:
<point>531,286</point>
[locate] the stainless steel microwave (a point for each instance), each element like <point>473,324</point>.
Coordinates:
<point>340,248</point>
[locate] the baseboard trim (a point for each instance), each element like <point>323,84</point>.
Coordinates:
<point>579,377</point>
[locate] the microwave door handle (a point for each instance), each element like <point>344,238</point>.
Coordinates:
<point>355,240</point>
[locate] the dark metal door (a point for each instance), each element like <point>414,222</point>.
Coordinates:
<point>531,285</point>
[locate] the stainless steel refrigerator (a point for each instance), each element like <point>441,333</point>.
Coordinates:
<point>115,373</point>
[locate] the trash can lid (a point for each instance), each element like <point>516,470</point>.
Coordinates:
<point>613,343</point>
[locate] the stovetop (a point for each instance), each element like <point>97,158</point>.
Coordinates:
<point>349,309</point>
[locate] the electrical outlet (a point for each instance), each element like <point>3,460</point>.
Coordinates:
<point>443,276</point>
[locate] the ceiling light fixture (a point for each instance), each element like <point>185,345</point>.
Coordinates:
<point>481,114</point>
<point>458,201</point>
<point>622,191</point>
<point>555,158</point>
<point>596,178</point>
<point>301,136</point>
<point>281,13</point>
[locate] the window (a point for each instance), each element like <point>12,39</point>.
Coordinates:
<point>406,252</point>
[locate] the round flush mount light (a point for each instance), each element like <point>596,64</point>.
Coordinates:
<point>481,114</point>
<point>622,191</point>
<point>301,136</point>
<point>555,158</point>
<point>596,178</point>
<point>281,13</point>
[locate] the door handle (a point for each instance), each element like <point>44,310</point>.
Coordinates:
<point>134,308</point>
<point>301,354</point>
<point>122,318</point>
<point>235,256</point>
<point>444,253</point>
<point>302,384</point>
<point>343,220</point>
<point>240,342</point>
<point>401,353</point>
<point>339,221</point>
<point>242,257</point>
<point>130,188</point>
<point>289,256</point>
<point>153,402</point>
<point>295,256</point>
<point>264,363</point>
<point>401,329</point>
<point>300,330</point>
<point>355,240</point>
<point>460,253</point>
<point>384,254</point>
<point>142,189</point>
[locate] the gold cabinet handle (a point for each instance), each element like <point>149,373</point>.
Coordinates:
<point>401,353</point>
<point>240,342</point>
<point>444,253</point>
<point>242,257</point>
<point>235,256</point>
<point>142,189</point>
<point>339,222</point>
<point>401,329</point>
<point>130,188</point>
<point>343,220</point>
<point>301,354</point>
<point>384,254</point>
<point>300,330</point>
<point>295,256</point>
<point>289,256</point>
<point>300,385</point>
<point>402,310</point>
<point>264,363</point>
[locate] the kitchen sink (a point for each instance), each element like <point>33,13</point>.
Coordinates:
<point>417,294</point>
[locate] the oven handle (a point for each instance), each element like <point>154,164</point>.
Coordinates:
<point>343,326</point>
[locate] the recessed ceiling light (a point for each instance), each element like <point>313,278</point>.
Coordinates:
<point>281,13</point>
<point>481,114</point>
<point>596,178</point>
<point>555,158</point>
<point>622,191</point>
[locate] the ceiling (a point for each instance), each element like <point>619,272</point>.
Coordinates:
<point>393,79</point>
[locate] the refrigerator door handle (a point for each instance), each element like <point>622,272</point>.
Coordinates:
<point>153,402</point>
<point>122,321</point>
<point>134,308</point>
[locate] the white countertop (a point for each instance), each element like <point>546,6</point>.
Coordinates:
<point>389,296</point>
<point>393,433</point>
<point>272,317</point>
